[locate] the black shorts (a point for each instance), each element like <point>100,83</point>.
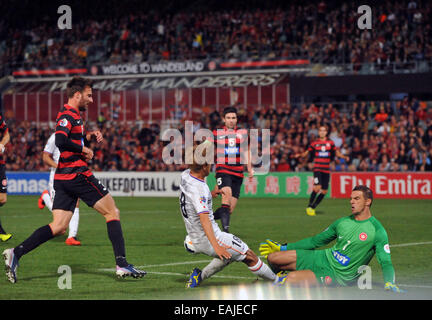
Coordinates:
<point>3,179</point>
<point>322,179</point>
<point>228,180</point>
<point>67,192</point>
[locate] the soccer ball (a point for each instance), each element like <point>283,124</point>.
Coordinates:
<point>189,245</point>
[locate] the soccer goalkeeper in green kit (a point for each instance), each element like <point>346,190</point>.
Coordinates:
<point>358,237</point>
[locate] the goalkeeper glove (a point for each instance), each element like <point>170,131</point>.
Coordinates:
<point>270,246</point>
<point>392,287</point>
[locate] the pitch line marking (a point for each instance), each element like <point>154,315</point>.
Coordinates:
<point>410,244</point>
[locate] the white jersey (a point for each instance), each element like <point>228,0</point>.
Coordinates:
<point>52,149</point>
<point>196,199</point>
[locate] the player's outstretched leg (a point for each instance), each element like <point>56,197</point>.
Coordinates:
<point>287,260</point>
<point>38,237</point>
<point>106,206</point>
<point>258,267</point>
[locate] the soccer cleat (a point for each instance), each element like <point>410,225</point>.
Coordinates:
<point>72,241</point>
<point>392,287</point>
<point>194,279</point>
<point>129,271</point>
<point>11,265</point>
<point>5,236</point>
<point>310,211</point>
<point>281,278</point>
<point>41,203</point>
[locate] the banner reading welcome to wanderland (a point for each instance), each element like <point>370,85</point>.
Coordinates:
<point>274,184</point>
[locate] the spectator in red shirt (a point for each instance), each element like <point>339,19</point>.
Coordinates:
<point>283,165</point>
<point>382,115</point>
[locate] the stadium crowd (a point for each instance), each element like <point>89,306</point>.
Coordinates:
<point>321,31</point>
<point>377,136</point>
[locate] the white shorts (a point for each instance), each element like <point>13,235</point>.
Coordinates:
<point>234,245</point>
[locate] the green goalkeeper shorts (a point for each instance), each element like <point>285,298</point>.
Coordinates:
<point>316,261</point>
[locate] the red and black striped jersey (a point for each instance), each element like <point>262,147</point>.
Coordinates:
<point>3,130</point>
<point>70,124</point>
<point>229,146</point>
<point>323,151</point>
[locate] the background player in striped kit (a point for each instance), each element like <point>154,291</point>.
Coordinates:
<point>230,164</point>
<point>323,150</point>
<point>50,156</point>
<point>73,180</point>
<point>4,132</point>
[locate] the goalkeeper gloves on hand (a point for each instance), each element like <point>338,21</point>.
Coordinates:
<point>392,287</point>
<point>270,246</point>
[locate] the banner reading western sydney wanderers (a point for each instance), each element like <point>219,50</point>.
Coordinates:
<point>274,185</point>
<point>409,185</point>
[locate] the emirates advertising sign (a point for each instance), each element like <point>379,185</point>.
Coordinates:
<point>409,185</point>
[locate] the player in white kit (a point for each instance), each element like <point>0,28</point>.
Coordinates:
<point>204,235</point>
<point>51,155</point>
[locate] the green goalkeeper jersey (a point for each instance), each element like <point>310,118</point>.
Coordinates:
<point>356,244</point>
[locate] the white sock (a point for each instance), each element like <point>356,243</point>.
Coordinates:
<point>47,200</point>
<point>73,224</point>
<point>262,270</point>
<point>214,266</point>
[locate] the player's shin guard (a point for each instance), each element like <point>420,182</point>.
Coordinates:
<point>41,235</point>
<point>263,271</point>
<point>213,267</point>
<point>115,234</point>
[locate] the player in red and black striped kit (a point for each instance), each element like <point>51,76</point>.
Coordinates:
<point>323,151</point>
<point>232,152</point>
<point>5,138</point>
<point>73,180</point>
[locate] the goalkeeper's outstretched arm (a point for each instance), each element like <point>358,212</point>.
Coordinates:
<point>310,243</point>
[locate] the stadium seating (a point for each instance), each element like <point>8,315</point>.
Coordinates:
<point>400,142</point>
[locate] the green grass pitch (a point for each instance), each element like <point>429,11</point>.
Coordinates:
<point>154,231</point>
